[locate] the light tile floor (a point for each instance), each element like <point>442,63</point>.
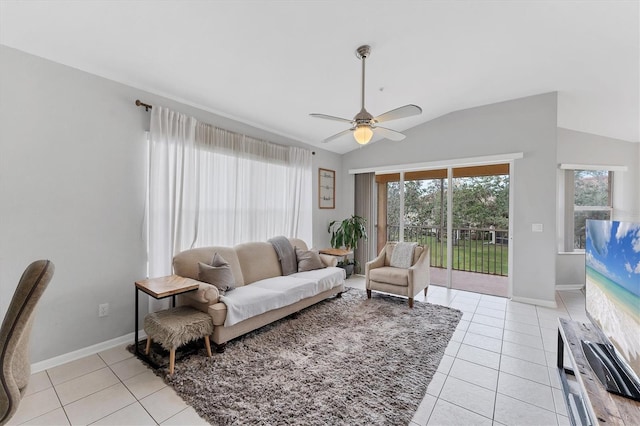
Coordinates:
<point>499,369</point>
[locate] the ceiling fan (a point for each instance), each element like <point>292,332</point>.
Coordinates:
<point>364,125</point>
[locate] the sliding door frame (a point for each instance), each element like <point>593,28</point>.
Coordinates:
<point>449,165</point>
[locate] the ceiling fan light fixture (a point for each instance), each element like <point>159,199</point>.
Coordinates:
<point>364,123</point>
<point>363,134</point>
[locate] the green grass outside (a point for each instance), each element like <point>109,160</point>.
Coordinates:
<point>470,255</point>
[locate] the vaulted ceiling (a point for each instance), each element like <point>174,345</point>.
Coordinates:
<point>271,63</point>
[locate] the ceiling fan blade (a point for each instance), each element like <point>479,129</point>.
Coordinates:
<point>402,112</point>
<point>388,133</point>
<point>331,117</point>
<point>338,135</point>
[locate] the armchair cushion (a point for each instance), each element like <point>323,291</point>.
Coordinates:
<point>390,275</point>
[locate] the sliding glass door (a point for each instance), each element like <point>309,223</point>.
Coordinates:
<point>464,223</point>
<point>480,229</point>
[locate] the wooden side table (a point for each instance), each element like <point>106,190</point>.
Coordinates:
<point>336,252</point>
<point>161,288</point>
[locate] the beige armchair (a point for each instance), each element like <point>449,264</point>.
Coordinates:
<point>381,276</point>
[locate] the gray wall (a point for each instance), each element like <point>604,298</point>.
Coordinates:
<point>588,149</point>
<point>526,125</point>
<point>322,217</point>
<point>72,189</point>
<point>585,148</point>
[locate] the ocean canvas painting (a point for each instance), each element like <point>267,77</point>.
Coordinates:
<point>612,256</point>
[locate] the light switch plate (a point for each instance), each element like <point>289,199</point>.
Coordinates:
<point>536,227</point>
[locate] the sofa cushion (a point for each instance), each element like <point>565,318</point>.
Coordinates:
<point>325,278</point>
<point>390,275</point>
<point>265,295</point>
<point>258,261</point>
<point>297,242</point>
<point>308,260</point>
<point>218,274</point>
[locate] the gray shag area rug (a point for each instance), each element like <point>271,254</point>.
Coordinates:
<point>348,360</point>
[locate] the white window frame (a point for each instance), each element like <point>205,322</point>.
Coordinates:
<point>566,193</point>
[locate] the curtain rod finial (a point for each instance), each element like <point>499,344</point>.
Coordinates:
<point>147,107</point>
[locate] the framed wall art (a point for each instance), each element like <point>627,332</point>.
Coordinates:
<point>326,189</point>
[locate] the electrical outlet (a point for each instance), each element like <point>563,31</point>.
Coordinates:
<point>103,310</point>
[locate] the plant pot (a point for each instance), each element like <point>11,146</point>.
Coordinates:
<point>348,269</point>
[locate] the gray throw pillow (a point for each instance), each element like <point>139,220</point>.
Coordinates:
<point>218,274</point>
<point>308,260</point>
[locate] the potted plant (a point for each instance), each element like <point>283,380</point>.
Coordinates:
<point>346,234</point>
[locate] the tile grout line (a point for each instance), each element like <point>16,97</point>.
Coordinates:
<point>58,396</point>
<point>137,401</point>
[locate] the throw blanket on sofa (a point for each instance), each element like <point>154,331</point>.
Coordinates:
<point>402,255</point>
<point>286,254</point>
<point>266,295</point>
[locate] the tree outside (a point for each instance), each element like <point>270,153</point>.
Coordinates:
<point>480,220</point>
<point>479,202</point>
<point>592,188</point>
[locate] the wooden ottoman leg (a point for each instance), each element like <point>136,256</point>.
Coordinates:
<point>148,348</point>
<point>207,345</point>
<point>368,294</point>
<point>172,360</point>
<point>411,302</point>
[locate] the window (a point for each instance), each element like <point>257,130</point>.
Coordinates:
<point>591,200</point>
<point>209,186</point>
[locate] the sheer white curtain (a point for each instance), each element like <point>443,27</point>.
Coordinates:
<point>209,186</point>
<point>172,182</point>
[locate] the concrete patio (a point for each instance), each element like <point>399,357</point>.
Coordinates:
<point>495,285</point>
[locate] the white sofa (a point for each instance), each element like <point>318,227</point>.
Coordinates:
<point>263,294</point>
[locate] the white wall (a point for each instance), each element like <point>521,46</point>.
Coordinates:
<point>526,125</point>
<point>588,149</point>
<point>72,188</point>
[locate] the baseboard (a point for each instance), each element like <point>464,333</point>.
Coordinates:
<point>84,352</point>
<point>538,302</point>
<point>561,287</point>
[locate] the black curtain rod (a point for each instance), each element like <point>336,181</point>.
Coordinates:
<point>147,107</point>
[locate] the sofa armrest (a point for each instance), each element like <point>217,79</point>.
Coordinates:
<point>206,293</point>
<point>328,260</point>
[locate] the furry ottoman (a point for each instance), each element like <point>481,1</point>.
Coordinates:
<point>175,327</point>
